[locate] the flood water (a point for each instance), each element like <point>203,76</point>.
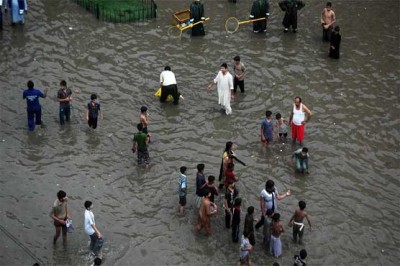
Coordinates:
<point>353,137</point>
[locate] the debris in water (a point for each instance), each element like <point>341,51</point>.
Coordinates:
<point>70,28</point>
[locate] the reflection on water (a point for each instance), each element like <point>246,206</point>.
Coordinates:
<point>353,136</point>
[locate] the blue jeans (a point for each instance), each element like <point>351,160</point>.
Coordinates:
<point>302,164</point>
<point>65,111</point>
<point>96,244</point>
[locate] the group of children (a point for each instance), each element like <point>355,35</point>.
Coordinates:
<point>267,135</point>
<point>205,202</point>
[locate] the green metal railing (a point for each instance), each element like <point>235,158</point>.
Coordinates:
<point>120,11</point>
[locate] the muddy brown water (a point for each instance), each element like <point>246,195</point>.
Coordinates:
<point>351,193</point>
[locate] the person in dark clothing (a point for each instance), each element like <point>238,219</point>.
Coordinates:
<point>300,260</point>
<point>259,9</point>
<point>93,111</point>
<point>33,108</point>
<point>236,219</point>
<point>290,7</point>
<point>334,49</point>
<point>196,15</point>
<point>230,195</point>
<point>249,225</point>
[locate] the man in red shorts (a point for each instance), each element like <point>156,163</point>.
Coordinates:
<point>299,116</point>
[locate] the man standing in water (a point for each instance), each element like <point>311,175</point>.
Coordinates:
<point>33,106</point>
<point>64,97</point>
<point>59,213</point>
<point>196,15</point>
<point>298,119</point>
<point>268,206</point>
<point>259,9</point>
<point>327,20</point>
<point>224,83</point>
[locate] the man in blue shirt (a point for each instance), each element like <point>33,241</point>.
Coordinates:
<point>33,106</point>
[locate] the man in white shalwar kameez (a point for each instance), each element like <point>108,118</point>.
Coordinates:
<point>224,81</point>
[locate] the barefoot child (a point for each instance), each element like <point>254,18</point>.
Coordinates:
<point>207,208</point>
<point>275,246</point>
<point>236,219</point>
<point>230,175</point>
<point>140,144</point>
<point>300,260</point>
<point>92,112</point>
<point>245,248</point>
<point>301,155</point>
<point>249,224</point>
<point>282,125</point>
<point>267,128</point>
<point>182,189</point>
<point>298,224</point>
<point>144,119</point>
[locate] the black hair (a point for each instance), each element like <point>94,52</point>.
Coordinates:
<point>63,83</point>
<point>303,254</point>
<point>143,109</point>
<point>269,185</point>
<point>268,113</point>
<point>275,264</point>
<point>97,261</point>
<point>304,150</point>
<point>246,233</point>
<point>228,146</point>
<point>36,264</point>
<point>183,169</point>
<point>236,58</point>
<point>167,68</point>
<point>337,28</point>
<point>329,4</point>
<point>140,126</point>
<point>200,167</point>
<point>87,204</point>
<point>237,202</point>
<point>205,191</point>
<point>250,210</point>
<point>61,194</point>
<point>224,65</point>
<point>278,116</point>
<point>302,205</point>
<point>30,84</point>
<point>93,97</point>
<point>298,97</point>
<point>211,178</point>
<point>231,166</point>
<point>276,216</point>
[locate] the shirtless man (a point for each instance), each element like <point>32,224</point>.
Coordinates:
<point>327,20</point>
<point>298,224</point>
<point>298,119</point>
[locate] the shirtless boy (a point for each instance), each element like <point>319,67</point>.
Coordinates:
<point>298,224</point>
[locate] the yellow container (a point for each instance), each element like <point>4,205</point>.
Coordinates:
<point>180,17</point>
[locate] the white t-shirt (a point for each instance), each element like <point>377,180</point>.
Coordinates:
<point>268,199</point>
<point>89,220</point>
<point>167,77</point>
